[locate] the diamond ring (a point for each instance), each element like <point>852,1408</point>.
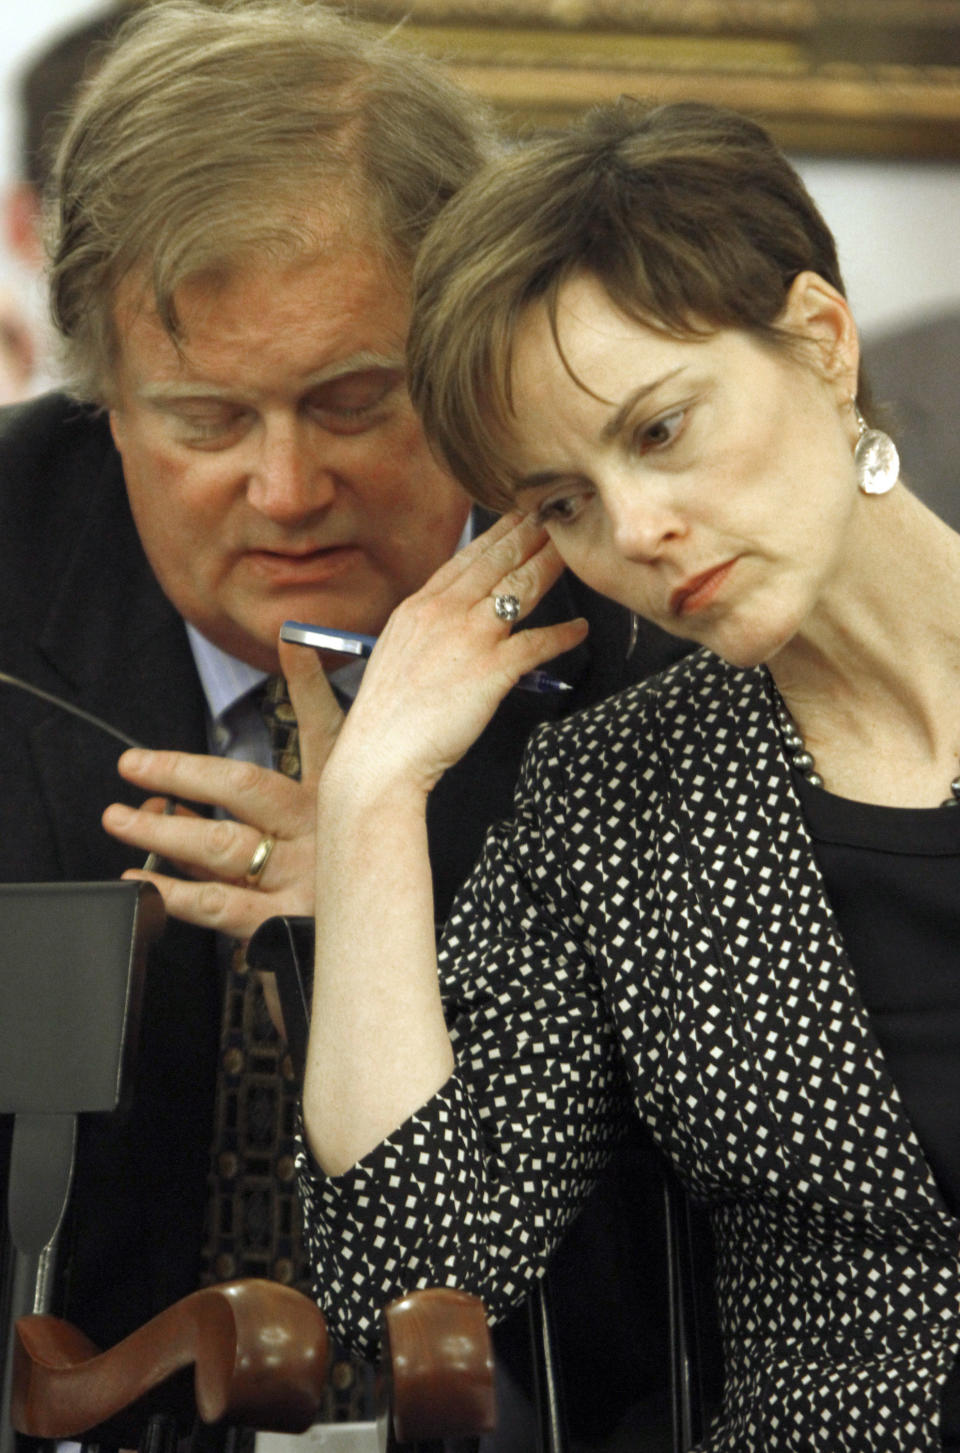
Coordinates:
<point>507,607</point>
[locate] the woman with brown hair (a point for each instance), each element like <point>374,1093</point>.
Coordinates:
<point>727,901</point>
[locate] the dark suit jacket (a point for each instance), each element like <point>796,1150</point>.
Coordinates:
<point>82,615</point>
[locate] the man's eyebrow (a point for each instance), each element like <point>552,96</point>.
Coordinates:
<point>168,390</point>
<point>363,362</point>
<point>613,426</point>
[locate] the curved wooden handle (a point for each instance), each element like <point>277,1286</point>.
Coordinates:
<point>438,1356</point>
<point>259,1353</point>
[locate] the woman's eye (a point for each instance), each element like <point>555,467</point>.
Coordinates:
<point>661,432</point>
<point>560,511</point>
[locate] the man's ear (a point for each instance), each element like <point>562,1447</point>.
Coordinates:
<point>116,429</point>
<point>817,312</point>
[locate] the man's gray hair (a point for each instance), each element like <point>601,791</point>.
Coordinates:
<point>216,134</point>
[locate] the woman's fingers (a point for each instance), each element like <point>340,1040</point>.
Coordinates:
<point>526,650</point>
<point>479,567</point>
<point>478,554</point>
<point>446,660</point>
<point>526,583</point>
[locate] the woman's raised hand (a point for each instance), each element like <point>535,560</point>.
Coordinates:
<point>447,657</point>
<point>379,1045</point>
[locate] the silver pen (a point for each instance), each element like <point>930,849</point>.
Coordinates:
<point>353,643</point>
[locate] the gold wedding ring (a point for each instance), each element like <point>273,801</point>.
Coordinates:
<point>261,856</point>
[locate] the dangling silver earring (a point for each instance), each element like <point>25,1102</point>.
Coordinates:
<point>634,634</point>
<point>875,457</point>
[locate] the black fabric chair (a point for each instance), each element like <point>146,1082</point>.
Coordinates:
<point>284,946</point>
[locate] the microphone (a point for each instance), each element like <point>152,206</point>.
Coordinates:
<point>152,861</point>
<point>87,716</point>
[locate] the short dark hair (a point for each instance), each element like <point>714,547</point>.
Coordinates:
<point>687,214</point>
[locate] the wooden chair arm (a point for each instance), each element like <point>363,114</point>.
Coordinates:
<point>259,1354</point>
<point>258,1350</point>
<point>438,1360</point>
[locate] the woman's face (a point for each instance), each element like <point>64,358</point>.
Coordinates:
<point>707,484</point>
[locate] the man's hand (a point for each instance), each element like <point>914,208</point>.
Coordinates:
<point>215,854</point>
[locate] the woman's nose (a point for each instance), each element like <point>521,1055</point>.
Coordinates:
<point>643,520</point>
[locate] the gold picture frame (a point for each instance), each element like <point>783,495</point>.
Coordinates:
<point>830,77</point>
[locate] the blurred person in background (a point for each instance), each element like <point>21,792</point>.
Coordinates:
<point>45,91</point>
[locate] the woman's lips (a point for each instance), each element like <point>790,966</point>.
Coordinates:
<point>697,593</point>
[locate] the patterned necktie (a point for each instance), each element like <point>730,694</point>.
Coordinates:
<point>254,1225</point>
<point>253,1218</point>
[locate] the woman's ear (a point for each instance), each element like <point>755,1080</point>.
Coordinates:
<point>817,312</point>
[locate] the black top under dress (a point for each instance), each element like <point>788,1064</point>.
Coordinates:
<point>893,878</point>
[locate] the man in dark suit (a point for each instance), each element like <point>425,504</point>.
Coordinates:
<point>239,449</point>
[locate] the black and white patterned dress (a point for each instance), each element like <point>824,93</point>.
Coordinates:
<point>650,934</point>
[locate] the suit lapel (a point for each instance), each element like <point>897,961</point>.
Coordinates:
<point>122,653</point>
<point>836,1115</point>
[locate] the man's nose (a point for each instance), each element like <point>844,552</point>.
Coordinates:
<point>289,477</point>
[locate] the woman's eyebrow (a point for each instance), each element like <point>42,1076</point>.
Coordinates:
<point>613,426</point>
<point>538,480</point>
